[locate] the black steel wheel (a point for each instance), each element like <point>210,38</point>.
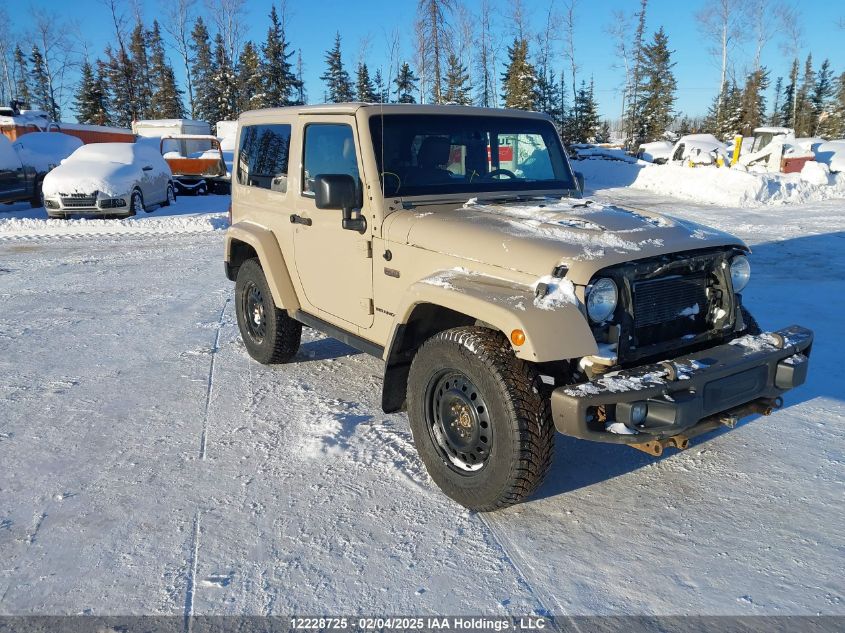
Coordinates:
<point>458,420</point>
<point>269,334</point>
<point>480,421</point>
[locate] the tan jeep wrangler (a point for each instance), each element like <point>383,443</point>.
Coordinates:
<point>454,244</point>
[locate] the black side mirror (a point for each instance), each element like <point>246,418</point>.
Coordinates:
<point>338,191</point>
<point>579,178</point>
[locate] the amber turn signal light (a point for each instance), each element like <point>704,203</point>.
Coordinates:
<point>518,337</point>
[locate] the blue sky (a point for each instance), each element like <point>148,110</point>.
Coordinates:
<point>314,22</point>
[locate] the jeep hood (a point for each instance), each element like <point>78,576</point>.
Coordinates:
<point>534,237</point>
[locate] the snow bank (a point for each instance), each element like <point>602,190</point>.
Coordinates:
<point>711,185</point>
<point>45,150</point>
<point>832,154</point>
<point>16,228</point>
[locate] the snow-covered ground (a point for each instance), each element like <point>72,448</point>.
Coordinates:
<point>147,465</point>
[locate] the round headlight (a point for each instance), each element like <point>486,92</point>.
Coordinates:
<point>601,300</point>
<point>740,272</point>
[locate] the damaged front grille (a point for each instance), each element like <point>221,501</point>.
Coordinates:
<point>669,303</point>
<point>670,307</point>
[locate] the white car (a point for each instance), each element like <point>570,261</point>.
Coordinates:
<point>109,179</point>
<point>657,152</point>
<point>700,149</point>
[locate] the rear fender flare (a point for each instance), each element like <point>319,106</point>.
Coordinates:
<point>269,253</point>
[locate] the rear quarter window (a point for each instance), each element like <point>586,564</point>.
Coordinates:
<point>263,156</point>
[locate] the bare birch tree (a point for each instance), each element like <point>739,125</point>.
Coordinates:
<point>180,15</point>
<point>487,53</point>
<point>437,37</point>
<point>569,49</point>
<point>60,59</point>
<point>792,34</point>
<point>720,21</point>
<point>620,29</point>
<point>228,17</point>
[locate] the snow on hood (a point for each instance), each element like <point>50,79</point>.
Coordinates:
<point>534,237</point>
<point>45,150</point>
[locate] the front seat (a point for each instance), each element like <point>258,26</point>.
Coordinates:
<point>433,154</point>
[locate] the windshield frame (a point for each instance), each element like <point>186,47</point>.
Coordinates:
<point>499,188</point>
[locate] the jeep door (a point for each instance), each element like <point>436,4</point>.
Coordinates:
<point>334,264</point>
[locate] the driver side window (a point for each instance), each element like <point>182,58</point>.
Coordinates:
<point>329,149</point>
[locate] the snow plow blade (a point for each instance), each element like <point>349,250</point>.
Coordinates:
<point>665,404</point>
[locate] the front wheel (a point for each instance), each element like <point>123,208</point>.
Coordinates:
<point>171,196</point>
<point>269,334</point>
<point>136,203</point>
<point>479,420</point>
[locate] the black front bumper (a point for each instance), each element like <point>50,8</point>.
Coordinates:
<point>684,394</point>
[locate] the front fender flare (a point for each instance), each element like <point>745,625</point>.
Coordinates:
<point>272,260</point>
<point>550,334</point>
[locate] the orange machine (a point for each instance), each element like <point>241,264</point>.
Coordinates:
<point>197,163</point>
<point>14,125</point>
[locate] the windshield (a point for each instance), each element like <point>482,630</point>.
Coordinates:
<point>419,154</point>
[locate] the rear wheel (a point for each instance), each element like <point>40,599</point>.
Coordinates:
<point>269,334</point>
<point>479,421</point>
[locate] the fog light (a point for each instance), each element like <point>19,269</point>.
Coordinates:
<point>631,413</point>
<point>638,412</point>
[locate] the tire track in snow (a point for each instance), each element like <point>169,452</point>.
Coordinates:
<point>210,384</point>
<point>503,544</point>
<point>190,588</point>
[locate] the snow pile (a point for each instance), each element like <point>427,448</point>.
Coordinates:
<point>815,173</point>
<point>718,186</point>
<point>559,292</point>
<point>44,150</point>
<point>16,228</point>
<point>832,154</point>
<point>581,152</point>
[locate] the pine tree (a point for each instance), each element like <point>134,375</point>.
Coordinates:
<point>754,101</point>
<point>22,89</point>
<point>633,117</point>
<point>280,82</point>
<point>336,78</point>
<point>364,89</point>
<point>42,93</point>
<point>586,121</point>
<point>166,99</point>
<point>520,79</point>
<point>251,94</point>
<point>549,97</point>
<point>140,72</point>
<point>835,128</point>
<point>821,98</point>
<point>804,111</point>
<point>201,71</point>
<point>603,135</point>
<point>223,84</point>
<point>119,87</point>
<point>774,117</point>
<point>380,88</point>
<point>458,90</point>
<point>406,84</point>
<point>91,101</point>
<point>656,92</point>
<point>301,97</point>
<point>789,96</point>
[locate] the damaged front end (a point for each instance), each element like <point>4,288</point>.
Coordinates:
<point>686,308</point>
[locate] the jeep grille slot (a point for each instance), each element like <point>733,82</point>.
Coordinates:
<point>669,307</point>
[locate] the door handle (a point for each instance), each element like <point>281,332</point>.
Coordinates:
<point>298,219</point>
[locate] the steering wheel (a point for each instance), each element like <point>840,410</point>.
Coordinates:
<point>501,172</point>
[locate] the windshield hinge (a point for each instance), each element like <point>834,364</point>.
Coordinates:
<point>367,249</point>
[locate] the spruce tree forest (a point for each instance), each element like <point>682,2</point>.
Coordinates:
<point>486,55</point>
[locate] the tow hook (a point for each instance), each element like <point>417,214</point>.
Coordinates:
<point>655,447</point>
<point>763,406</point>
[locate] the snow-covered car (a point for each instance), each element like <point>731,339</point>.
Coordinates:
<point>700,149</point>
<point>658,152</point>
<point>109,179</point>
<point>45,150</point>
